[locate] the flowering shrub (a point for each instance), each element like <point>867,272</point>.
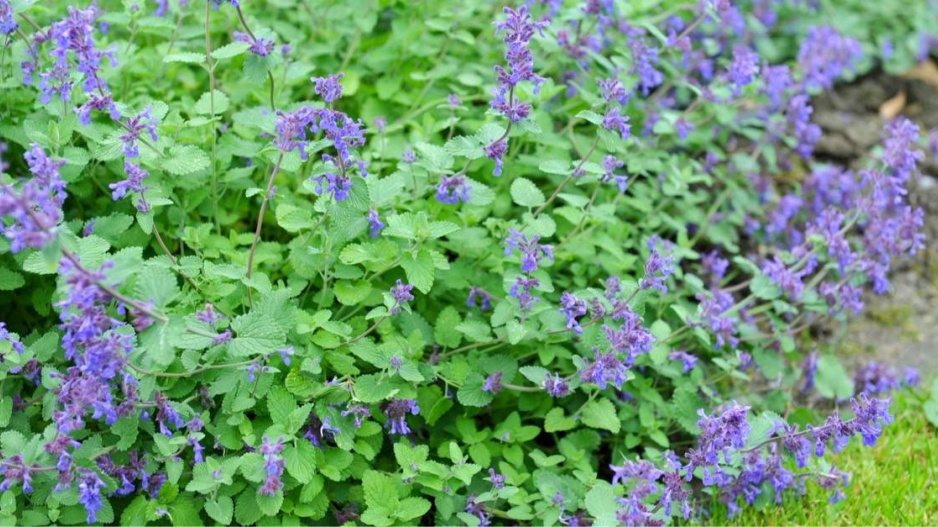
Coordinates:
<point>542,264</point>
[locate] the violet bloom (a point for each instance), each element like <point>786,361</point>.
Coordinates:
<point>572,308</point>
<point>776,80</point>
<point>6,336</point>
<point>498,480</point>
<point>329,87</point>
<point>453,101</point>
<point>714,266</point>
<point>339,186</point>
<point>401,293</point>
<point>359,413</point>
<point>744,67</point>
<point>531,251</point>
<point>273,466</point>
<point>375,224</point>
<point>496,151</point>
<point>493,383</point>
<point>688,361</point>
<point>614,121</point>
<point>715,314</point>
<point>90,487</point>
<point>605,369</point>
<point>644,62</point>
<point>193,427</point>
<point>518,28</point>
<point>805,132</point>
<point>825,54</point>
<point>610,164</point>
<point>396,411</point>
<point>614,91</point>
<point>7,23</point>
<point>480,297</point>
<point>453,189</point>
<point>409,157</point>
<point>259,46</point>
<point>719,435</point>
<point>521,290</point>
<point>556,386</point>
<point>789,281</point>
<point>657,269</point>
<point>37,208</point>
<point>208,315</point>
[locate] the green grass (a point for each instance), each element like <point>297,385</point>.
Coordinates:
<point>893,483</point>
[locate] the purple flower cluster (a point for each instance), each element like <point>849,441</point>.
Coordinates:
<point>295,129</point>
<point>876,378</point>
<point>401,295</point>
<point>453,189</point>
<point>396,411</point>
<point>531,251</point>
<point>518,29</point>
<point>37,207</point>
<point>825,54</point>
<point>273,466</point>
<point>8,24</point>
<point>572,308</point>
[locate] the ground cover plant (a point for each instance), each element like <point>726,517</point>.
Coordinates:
<point>420,263</point>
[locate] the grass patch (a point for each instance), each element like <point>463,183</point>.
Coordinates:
<point>893,483</point>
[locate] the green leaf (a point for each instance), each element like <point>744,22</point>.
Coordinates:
<point>229,51</point>
<point>187,57</point>
<point>832,380</point>
<point>444,331</point>
<point>381,498</point>
<point>601,413</point>
<point>257,334</point>
<point>156,284</point>
<point>352,293</point>
<point>556,421</point>
<point>411,508</point>
<point>204,104</point>
<point>185,159</point>
<point>10,280</point>
<point>526,193</point>
<point>419,269</point>
<point>220,509</point>
<point>764,288</point>
<point>372,388</point>
<point>555,166</point>
<point>471,393</point>
<point>601,504</point>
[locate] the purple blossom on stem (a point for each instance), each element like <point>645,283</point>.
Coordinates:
<point>825,54</point>
<point>493,383</point>
<point>329,87</point>
<point>743,68</point>
<point>7,23</point>
<point>688,361</point>
<point>657,269</point>
<point>521,290</point>
<point>375,224</point>
<point>90,487</point>
<point>273,466</point>
<point>401,294</point>
<point>556,386</point>
<point>396,411</point>
<point>480,297</point>
<point>572,308</point>
<point>260,46</point>
<point>453,189</point>
<point>518,29</point>
<point>531,251</point>
<point>614,121</point>
<point>496,151</point>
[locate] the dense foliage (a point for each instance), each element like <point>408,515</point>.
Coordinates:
<point>318,262</point>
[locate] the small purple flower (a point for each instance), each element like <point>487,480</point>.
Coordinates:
<point>259,46</point>
<point>743,68</point>
<point>453,101</point>
<point>7,23</point>
<point>90,487</point>
<point>496,151</point>
<point>657,269</point>
<point>453,189</point>
<point>521,290</point>
<point>329,87</point>
<point>401,293</point>
<point>689,361</point>
<point>397,410</point>
<point>273,466</point>
<point>825,54</point>
<point>531,251</point>
<point>498,480</point>
<point>556,386</point>
<point>409,157</point>
<point>572,308</point>
<point>493,383</point>
<point>614,121</point>
<point>375,224</point>
<point>480,296</point>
